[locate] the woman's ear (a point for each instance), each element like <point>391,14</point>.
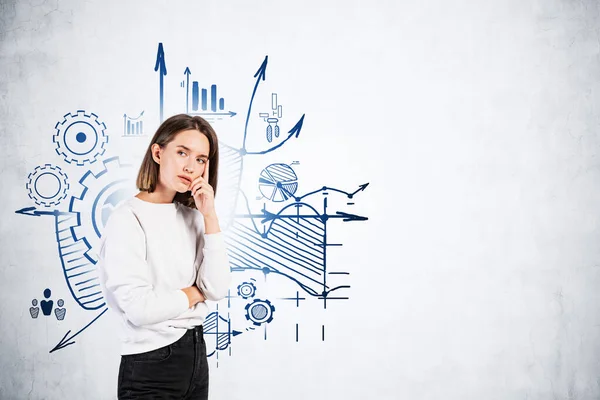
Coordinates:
<point>156,152</point>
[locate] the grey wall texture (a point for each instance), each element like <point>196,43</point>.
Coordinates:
<point>475,123</point>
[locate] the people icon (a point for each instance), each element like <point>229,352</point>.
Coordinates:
<point>60,312</point>
<point>47,305</point>
<point>35,310</point>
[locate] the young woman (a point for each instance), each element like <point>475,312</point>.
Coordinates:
<point>161,256</point>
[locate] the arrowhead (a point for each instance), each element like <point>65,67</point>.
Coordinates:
<point>187,71</point>
<point>268,216</point>
<point>64,342</point>
<point>142,113</point>
<point>231,113</point>
<point>28,211</point>
<point>296,129</point>
<point>160,60</point>
<point>363,186</point>
<point>235,333</point>
<point>262,71</point>
<point>351,217</point>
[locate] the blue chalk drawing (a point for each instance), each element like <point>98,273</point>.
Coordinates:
<point>278,182</point>
<point>80,138</point>
<point>60,312</point>
<point>292,243</point>
<point>47,307</point>
<point>297,298</point>
<point>133,127</point>
<point>47,185</point>
<point>259,311</point>
<point>161,66</point>
<point>34,310</point>
<point>272,118</point>
<point>99,194</point>
<point>209,105</point>
<point>218,332</point>
<point>246,290</point>
<point>47,303</point>
<point>78,233</point>
<point>287,238</point>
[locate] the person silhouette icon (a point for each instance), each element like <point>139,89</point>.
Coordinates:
<point>47,305</point>
<point>60,312</point>
<point>35,310</point>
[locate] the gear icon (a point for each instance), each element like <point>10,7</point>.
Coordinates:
<point>99,194</point>
<point>259,311</point>
<point>246,290</point>
<point>80,138</point>
<point>47,185</point>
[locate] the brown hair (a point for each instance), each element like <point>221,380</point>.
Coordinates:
<point>166,132</point>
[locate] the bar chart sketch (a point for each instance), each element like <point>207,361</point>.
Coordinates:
<point>133,126</point>
<point>205,101</point>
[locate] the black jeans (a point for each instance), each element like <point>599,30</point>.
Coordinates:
<point>176,371</point>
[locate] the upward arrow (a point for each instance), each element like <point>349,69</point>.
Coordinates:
<point>259,75</point>
<point>160,65</point>
<point>262,71</point>
<point>187,72</point>
<point>360,189</point>
<point>298,127</point>
<point>160,60</point>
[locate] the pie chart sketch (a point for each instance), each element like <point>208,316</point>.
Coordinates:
<point>278,182</point>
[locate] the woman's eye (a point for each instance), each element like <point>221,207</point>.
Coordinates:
<point>181,153</point>
<point>201,160</point>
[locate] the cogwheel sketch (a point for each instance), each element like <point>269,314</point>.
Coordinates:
<point>98,195</point>
<point>47,185</point>
<point>80,138</point>
<point>246,290</point>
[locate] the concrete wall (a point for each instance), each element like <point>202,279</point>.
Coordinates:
<point>474,122</point>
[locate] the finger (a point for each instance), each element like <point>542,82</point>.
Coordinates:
<point>204,191</point>
<point>205,186</point>
<point>199,185</point>
<point>196,189</point>
<point>205,174</point>
<point>199,179</point>
<point>195,186</point>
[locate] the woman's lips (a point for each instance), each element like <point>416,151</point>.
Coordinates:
<point>184,179</point>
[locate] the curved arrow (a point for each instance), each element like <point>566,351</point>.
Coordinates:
<point>260,74</point>
<point>295,131</point>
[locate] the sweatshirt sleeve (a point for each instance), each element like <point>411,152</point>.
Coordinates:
<point>214,274</point>
<point>126,274</point>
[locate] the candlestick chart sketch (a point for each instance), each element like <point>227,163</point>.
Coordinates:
<point>281,234</point>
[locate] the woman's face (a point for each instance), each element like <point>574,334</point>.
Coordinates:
<point>182,160</point>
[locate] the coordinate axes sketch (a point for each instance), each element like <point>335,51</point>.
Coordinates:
<point>282,234</point>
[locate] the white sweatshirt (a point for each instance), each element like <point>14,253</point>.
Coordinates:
<point>148,253</point>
